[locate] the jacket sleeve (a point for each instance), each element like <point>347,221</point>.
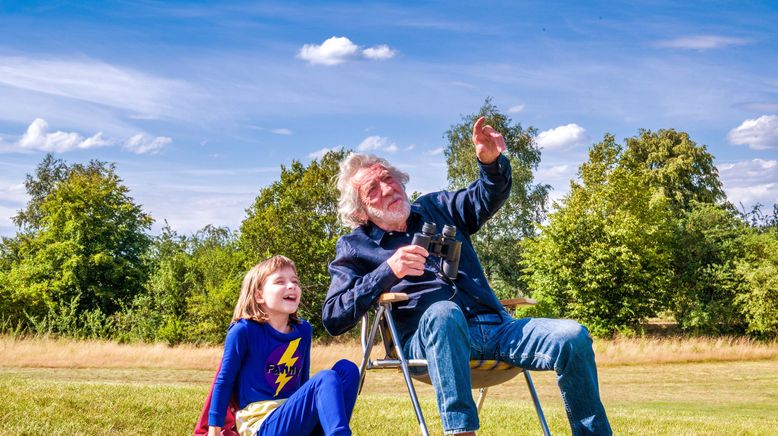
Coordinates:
<point>352,290</point>
<point>473,206</point>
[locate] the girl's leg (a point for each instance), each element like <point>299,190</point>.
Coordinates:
<point>348,373</point>
<point>324,403</point>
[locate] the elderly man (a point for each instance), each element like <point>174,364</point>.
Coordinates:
<point>449,322</point>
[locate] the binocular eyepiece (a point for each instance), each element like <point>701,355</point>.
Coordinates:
<point>442,245</point>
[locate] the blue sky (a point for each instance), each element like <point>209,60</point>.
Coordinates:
<point>199,103</point>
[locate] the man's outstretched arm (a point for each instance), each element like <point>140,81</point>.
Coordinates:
<point>474,205</point>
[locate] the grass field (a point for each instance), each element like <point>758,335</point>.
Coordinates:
<point>648,387</point>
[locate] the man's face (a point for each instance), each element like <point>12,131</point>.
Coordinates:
<point>382,196</point>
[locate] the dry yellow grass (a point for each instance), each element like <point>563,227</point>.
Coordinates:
<point>66,353</point>
<point>634,351</point>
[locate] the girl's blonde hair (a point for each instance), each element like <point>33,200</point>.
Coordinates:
<point>248,306</point>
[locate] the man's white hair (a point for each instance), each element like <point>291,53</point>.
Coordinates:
<point>351,211</point>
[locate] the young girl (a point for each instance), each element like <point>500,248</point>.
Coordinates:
<point>267,360</point>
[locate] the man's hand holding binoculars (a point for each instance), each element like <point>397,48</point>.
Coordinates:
<point>408,261</point>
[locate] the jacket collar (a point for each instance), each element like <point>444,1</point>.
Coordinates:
<point>376,233</point>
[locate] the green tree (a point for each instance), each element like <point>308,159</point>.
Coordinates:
<point>603,257</point>
<point>220,266</point>
<point>497,242</point>
<point>691,247</point>
<point>706,246</point>
<point>84,240</point>
<point>677,165</point>
<point>758,271</point>
<point>191,291</point>
<point>707,229</point>
<point>297,217</point>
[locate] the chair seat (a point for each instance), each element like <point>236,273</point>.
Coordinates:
<point>483,373</point>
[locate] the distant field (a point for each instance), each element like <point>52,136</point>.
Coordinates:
<point>66,387</point>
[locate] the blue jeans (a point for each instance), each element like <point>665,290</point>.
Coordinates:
<point>448,341</point>
<point>322,405</point>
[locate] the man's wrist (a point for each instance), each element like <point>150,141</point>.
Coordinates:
<point>492,167</point>
<point>386,276</point>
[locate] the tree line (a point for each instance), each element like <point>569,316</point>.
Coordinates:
<point>645,231</point>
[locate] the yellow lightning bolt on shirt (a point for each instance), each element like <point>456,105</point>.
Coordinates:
<point>287,358</point>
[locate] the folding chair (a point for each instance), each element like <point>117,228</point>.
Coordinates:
<point>483,373</point>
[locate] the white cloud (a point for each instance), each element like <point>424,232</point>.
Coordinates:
<point>562,137</point>
<point>339,49</point>
<point>701,42</point>
<point>760,106</point>
<point>516,109</point>
<point>318,154</point>
<point>377,143</point>
<point>751,181</point>
<point>12,192</point>
<point>436,151</point>
<point>554,172</point>
<point>333,51</point>
<point>142,95</point>
<point>13,197</point>
<point>280,131</point>
<point>145,144</point>
<point>379,52</point>
<point>38,137</point>
<point>758,134</point>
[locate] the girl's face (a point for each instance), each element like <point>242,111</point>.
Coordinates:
<point>281,293</point>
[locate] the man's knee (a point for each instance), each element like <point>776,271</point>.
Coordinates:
<point>574,344</point>
<point>572,333</point>
<point>443,315</point>
<point>442,321</point>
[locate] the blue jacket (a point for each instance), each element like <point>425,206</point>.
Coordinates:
<point>359,273</point>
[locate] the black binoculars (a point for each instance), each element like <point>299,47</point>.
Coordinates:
<point>442,245</point>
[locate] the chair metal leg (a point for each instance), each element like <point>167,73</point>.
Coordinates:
<point>367,345</point>
<point>406,373</point>
<point>536,402</point>
<point>481,396</point>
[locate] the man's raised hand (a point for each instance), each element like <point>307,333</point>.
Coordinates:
<point>489,143</point>
<point>408,261</point>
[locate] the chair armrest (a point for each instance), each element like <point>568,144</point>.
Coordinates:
<point>511,303</point>
<point>392,297</point>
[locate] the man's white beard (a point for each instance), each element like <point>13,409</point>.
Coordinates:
<point>387,216</point>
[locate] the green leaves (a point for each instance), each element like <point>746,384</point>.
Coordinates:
<point>85,240</point>
<point>603,257</point>
<point>646,230</point>
<point>758,270</point>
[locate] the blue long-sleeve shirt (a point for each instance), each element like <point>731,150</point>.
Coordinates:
<point>360,273</point>
<point>260,363</point>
